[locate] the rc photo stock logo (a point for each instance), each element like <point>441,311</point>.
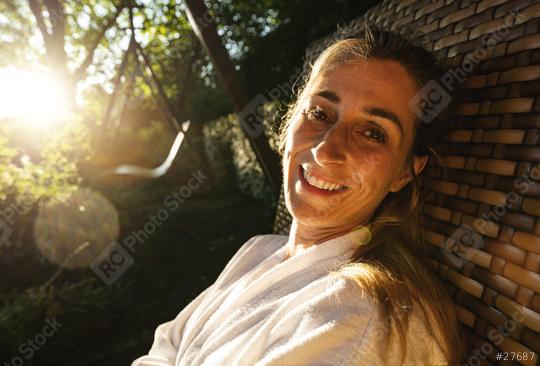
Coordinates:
<point>117,258</point>
<point>112,263</point>
<point>8,215</point>
<point>30,346</point>
<point>455,246</point>
<point>251,116</point>
<point>430,101</point>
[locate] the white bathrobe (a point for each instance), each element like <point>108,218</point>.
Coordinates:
<point>262,310</point>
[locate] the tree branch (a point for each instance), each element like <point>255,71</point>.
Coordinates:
<point>9,4</point>
<point>57,18</point>
<point>180,100</point>
<point>37,10</point>
<point>108,23</point>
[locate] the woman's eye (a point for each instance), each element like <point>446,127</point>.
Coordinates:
<point>317,113</point>
<point>375,134</point>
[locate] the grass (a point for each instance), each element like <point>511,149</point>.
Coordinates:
<point>112,325</point>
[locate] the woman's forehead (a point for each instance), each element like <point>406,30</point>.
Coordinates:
<point>372,82</point>
<point>369,77</point>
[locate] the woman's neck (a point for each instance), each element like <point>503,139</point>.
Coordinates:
<point>301,236</point>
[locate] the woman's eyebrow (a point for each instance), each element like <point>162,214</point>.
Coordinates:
<point>370,110</point>
<point>328,94</point>
<point>386,114</point>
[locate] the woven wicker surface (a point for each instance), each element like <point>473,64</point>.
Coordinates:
<point>483,219</point>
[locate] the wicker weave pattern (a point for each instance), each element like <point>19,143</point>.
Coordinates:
<point>484,216</point>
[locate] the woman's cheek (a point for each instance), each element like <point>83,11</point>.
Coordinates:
<point>303,140</point>
<point>373,171</point>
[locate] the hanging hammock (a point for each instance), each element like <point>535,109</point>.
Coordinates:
<point>135,48</point>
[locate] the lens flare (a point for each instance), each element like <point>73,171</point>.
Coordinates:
<point>361,235</point>
<point>73,231</point>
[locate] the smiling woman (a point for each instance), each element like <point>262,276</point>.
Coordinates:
<point>352,125</point>
<point>350,284</point>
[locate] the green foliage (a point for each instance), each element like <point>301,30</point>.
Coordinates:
<point>16,27</point>
<point>53,173</point>
<point>24,313</point>
<point>269,37</point>
<point>155,141</point>
<point>225,134</point>
<point>265,38</point>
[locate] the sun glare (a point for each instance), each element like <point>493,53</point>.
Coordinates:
<point>36,97</point>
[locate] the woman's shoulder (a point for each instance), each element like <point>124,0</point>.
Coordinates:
<point>355,307</point>
<point>338,322</point>
<point>422,346</point>
<point>333,300</point>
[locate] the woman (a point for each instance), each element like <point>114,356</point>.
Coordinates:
<point>350,284</point>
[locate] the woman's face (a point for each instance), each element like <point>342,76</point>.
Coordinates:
<point>353,135</point>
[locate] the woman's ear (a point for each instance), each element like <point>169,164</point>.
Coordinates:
<point>419,163</point>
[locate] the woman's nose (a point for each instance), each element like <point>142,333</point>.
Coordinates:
<point>331,149</point>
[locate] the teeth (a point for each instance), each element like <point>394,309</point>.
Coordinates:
<point>320,183</point>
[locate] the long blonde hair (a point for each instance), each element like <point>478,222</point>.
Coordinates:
<point>393,268</point>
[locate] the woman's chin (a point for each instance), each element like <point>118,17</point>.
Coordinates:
<point>305,213</point>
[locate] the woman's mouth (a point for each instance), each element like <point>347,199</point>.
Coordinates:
<point>318,186</point>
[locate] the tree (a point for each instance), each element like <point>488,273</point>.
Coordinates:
<point>266,39</point>
<point>55,26</point>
